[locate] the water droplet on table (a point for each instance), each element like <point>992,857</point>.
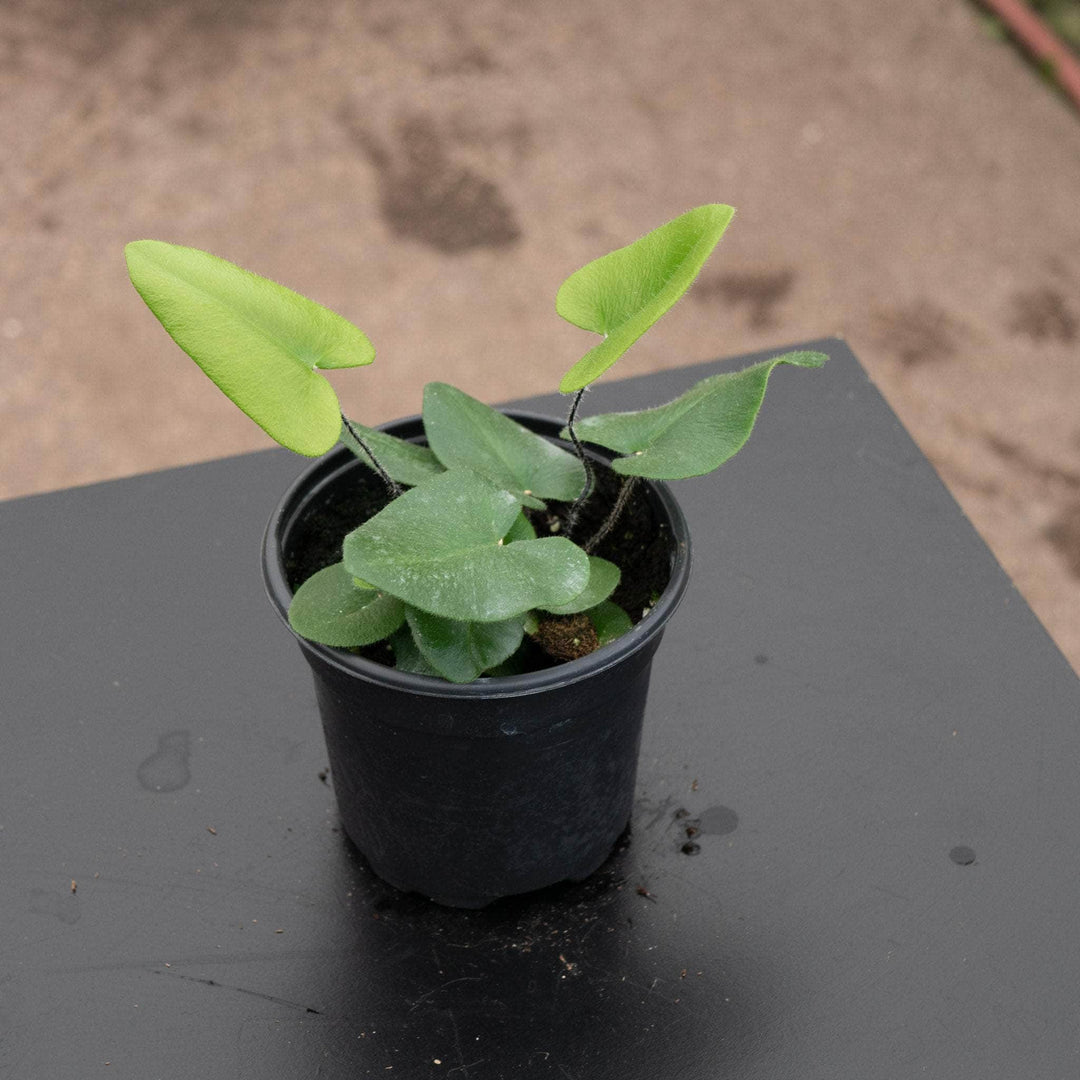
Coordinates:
<point>167,768</point>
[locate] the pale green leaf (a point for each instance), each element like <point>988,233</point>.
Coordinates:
<point>404,461</point>
<point>603,581</point>
<point>610,621</point>
<point>621,294</point>
<point>465,432</point>
<point>260,342</point>
<point>462,651</point>
<point>439,548</point>
<point>330,609</point>
<point>696,432</point>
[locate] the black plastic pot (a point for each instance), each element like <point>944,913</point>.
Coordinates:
<point>468,793</point>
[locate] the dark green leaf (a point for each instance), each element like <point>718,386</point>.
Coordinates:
<point>696,432</point>
<point>407,654</point>
<point>466,432</point>
<point>440,548</point>
<point>610,620</point>
<point>603,581</point>
<point>330,609</point>
<point>462,651</point>
<point>621,294</point>
<point>260,342</point>
<point>404,461</point>
<point>513,665</point>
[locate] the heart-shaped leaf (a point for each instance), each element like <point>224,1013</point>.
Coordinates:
<point>462,651</point>
<point>403,461</point>
<point>603,581</point>
<point>621,294</point>
<point>696,432</point>
<point>610,621</point>
<point>440,548</point>
<point>466,432</point>
<point>260,342</point>
<point>329,608</point>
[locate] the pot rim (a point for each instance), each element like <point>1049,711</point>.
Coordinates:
<point>322,471</point>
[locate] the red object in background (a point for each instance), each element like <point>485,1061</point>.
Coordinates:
<point>1041,42</point>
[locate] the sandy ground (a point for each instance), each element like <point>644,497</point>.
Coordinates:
<point>434,169</point>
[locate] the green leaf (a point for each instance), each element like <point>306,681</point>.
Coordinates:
<point>407,654</point>
<point>603,581</point>
<point>405,462</point>
<point>260,342</point>
<point>621,294</point>
<point>512,665</point>
<point>461,651</point>
<point>330,609</point>
<point>466,432</point>
<point>522,529</point>
<point>439,547</point>
<point>696,432</point>
<point>610,621</point>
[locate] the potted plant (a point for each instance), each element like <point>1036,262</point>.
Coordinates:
<point>479,595</point>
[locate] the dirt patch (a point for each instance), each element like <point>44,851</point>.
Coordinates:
<point>1064,535</point>
<point>759,294</point>
<point>918,333</point>
<point>1022,458</point>
<point>469,60</point>
<point>92,33</point>
<point>425,196</point>
<point>1043,315</point>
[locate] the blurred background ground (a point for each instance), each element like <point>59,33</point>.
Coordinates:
<point>432,169</point>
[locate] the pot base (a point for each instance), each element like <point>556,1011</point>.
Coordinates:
<point>476,903</point>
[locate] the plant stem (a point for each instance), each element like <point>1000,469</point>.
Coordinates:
<point>616,510</point>
<point>586,491</point>
<point>393,486</point>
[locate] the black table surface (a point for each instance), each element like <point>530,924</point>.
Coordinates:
<point>853,855</point>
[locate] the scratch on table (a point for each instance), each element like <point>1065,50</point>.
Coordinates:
<point>457,1044</point>
<point>683,1008</point>
<point>891,892</point>
<point>659,810</point>
<point>431,993</point>
<point>242,990</point>
<point>906,469</point>
<point>465,1068</point>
